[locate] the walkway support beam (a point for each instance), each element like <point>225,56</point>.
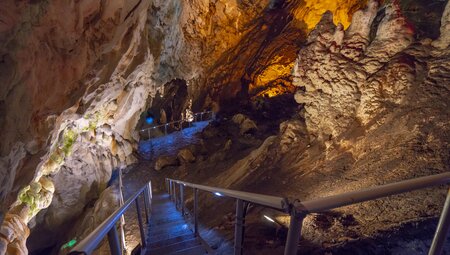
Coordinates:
<point>440,236</point>
<point>195,212</point>
<point>239,227</point>
<point>141,224</point>
<point>294,233</point>
<point>113,239</point>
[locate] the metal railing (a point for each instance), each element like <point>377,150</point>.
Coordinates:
<point>200,116</point>
<point>299,210</point>
<point>241,197</point>
<point>108,226</point>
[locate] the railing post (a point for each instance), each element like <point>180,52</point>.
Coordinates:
<point>147,218</point>
<point>113,239</point>
<point>294,232</point>
<point>171,189</point>
<point>141,225</point>
<point>182,198</point>
<point>149,134</point>
<point>175,197</point>
<point>195,212</point>
<point>442,229</point>
<point>150,195</point>
<point>239,227</point>
<point>165,129</point>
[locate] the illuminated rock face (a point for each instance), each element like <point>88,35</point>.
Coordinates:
<point>311,12</point>
<point>350,78</point>
<point>263,58</point>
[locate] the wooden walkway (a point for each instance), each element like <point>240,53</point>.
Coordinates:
<point>168,232</point>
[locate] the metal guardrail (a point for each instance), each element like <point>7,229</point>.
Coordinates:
<point>108,227</point>
<point>299,210</point>
<point>197,117</point>
<point>241,197</point>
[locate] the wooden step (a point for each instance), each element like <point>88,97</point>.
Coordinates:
<point>169,232</point>
<point>174,247</point>
<point>197,250</point>
<point>165,242</point>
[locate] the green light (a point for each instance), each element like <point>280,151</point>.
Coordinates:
<point>69,244</point>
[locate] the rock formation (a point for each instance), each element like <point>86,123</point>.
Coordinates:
<point>376,111</point>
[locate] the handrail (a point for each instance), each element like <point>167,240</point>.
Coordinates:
<point>354,197</point>
<point>173,122</point>
<point>91,242</point>
<point>265,200</point>
<point>298,210</point>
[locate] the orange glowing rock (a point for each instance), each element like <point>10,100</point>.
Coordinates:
<point>311,12</point>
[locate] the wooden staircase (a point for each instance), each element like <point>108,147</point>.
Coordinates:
<point>168,232</point>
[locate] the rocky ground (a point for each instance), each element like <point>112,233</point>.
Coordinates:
<point>231,146</point>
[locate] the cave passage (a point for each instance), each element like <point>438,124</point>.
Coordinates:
<point>295,99</point>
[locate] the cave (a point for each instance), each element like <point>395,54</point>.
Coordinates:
<point>224,127</point>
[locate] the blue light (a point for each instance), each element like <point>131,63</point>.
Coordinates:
<point>218,194</point>
<point>149,120</point>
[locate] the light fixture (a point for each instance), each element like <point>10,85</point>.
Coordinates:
<point>218,194</point>
<point>268,218</point>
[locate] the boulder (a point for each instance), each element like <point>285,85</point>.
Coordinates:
<point>293,132</point>
<point>185,156</point>
<point>239,118</point>
<point>164,161</point>
<point>247,126</point>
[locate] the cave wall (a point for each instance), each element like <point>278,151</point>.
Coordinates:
<point>78,77</point>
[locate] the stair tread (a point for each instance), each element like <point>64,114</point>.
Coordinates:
<point>174,247</point>
<point>166,224</point>
<point>169,232</point>
<point>164,236</point>
<point>197,250</point>
<point>169,229</point>
<point>165,242</point>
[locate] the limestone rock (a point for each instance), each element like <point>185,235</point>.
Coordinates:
<point>164,161</point>
<point>13,235</point>
<point>292,132</point>
<point>228,145</point>
<point>185,156</point>
<point>246,125</point>
<point>239,118</point>
<point>351,79</point>
<point>443,41</point>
